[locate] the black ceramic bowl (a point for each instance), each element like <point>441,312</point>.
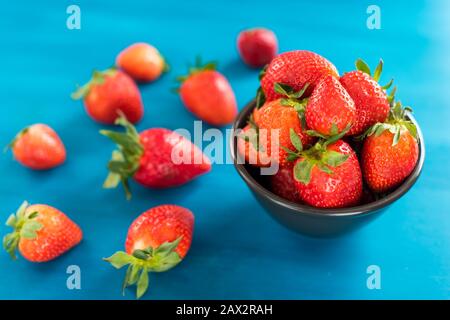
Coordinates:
<point>315,221</point>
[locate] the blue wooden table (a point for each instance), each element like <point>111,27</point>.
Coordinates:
<point>237,251</point>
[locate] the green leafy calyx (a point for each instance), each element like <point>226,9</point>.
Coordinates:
<point>317,155</point>
<point>15,139</point>
<point>397,123</point>
<point>294,99</point>
<point>98,77</point>
<point>260,98</point>
<point>199,66</point>
<point>362,66</point>
<point>25,226</point>
<point>141,262</point>
<point>125,160</point>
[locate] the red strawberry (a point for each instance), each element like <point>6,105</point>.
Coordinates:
<point>142,62</point>
<point>157,241</point>
<point>329,105</point>
<point>255,115</point>
<point>283,183</point>
<point>328,174</point>
<point>276,118</point>
<point>208,95</point>
<point>295,69</point>
<point>109,92</point>
<point>257,47</point>
<point>249,148</point>
<point>41,233</point>
<point>157,158</point>
<point>38,147</point>
<point>371,102</point>
<point>390,151</point>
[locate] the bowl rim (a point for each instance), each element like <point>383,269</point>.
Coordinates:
<point>305,209</point>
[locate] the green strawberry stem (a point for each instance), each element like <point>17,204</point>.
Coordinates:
<point>396,123</point>
<point>25,226</point>
<point>141,262</point>
<point>126,159</point>
<point>362,66</point>
<point>98,77</point>
<point>14,140</point>
<point>388,85</point>
<point>199,66</point>
<point>391,96</point>
<point>294,99</point>
<point>317,155</point>
<point>260,98</point>
<point>288,92</point>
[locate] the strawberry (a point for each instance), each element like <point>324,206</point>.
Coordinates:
<point>328,174</point>
<point>38,147</point>
<point>255,115</point>
<point>142,62</point>
<point>276,118</point>
<point>156,158</point>
<point>109,92</point>
<point>249,148</point>
<point>329,105</point>
<point>295,69</point>
<point>208,95</point>
<point>283,184</point>
<point>157,241</point>
<point>41,233</point>
<point>371,101</point>
<point>390,151</point>
<point>257,47</point>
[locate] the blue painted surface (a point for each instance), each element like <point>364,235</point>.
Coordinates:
<point>237,251</point>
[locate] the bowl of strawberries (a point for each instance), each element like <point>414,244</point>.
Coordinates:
<point>325,154</point>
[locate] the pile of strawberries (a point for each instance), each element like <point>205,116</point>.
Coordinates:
<point>338,139</point>
<point>318,118</point>
<point>160,237</point>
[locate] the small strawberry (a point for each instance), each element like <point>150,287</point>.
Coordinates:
<point>283,183</point>
<point>328,174</point>
<point>109,92</point>
<point>390,151</point>
<point>157,241</point>
<point>295,69</point>
<point>329,105</point>
<point>371,101</point>
<point>276,118</point>
<point>208,95</point>
<point>142,62</point>
<point>38,147</point>
<point>156,158</point>
<point>41,233</point>
<point>257,47</point>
